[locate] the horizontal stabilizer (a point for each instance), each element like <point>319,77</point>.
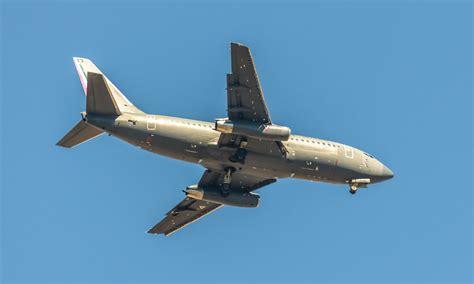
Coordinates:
<point>79,134</point>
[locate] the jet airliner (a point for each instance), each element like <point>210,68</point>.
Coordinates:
<point>240,153</point>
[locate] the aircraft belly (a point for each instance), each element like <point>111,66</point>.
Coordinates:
<point>198,145</point>
<point>266,165</point>
<point>181,145</point>
<point>164,139</point>
<point>315,165</point>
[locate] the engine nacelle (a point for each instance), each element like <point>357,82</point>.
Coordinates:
<point>254,130</point>
<point>239,199</point>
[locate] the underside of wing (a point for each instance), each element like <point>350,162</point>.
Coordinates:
<point>246,103</point>
<point>190,210</point>
<point>183,214</point>
<point>245,99</point>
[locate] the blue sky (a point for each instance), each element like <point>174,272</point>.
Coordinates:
<point>393,78</point>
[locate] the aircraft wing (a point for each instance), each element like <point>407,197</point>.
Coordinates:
<point>190,210</point>
<point>186,212</point>
<point>245,99</point>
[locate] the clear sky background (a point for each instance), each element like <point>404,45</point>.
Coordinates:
<point>392,78</point>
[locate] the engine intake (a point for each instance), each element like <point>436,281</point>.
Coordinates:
<point>254,130</point>
<point>239,199</point>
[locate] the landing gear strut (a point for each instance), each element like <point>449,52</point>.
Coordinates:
<point>225,189</point>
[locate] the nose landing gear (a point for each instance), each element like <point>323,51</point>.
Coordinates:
<point>353,189</point>
<point>355,184</point>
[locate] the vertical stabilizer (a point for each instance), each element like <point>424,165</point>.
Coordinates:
<point>85,66</point>
<point>99,97</point>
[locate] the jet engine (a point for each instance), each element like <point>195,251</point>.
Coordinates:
<point>254,130</point>
<point>239,199</point>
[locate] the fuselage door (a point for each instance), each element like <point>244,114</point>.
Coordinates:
<point>150,122</point>
<point>348,152</point>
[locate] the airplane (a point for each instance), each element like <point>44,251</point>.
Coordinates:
<point>241,153</point>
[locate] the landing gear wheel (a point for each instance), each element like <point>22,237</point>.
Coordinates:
<point>239,156</point>
<point>353,189</point>
<point>225,190</point>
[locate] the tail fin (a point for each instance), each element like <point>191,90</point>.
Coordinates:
<point>79,134</point>
<point>100,99</point>
<point>104,95</point>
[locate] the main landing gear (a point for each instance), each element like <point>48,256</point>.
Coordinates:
<point>240,154</point>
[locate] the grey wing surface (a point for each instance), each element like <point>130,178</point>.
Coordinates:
<point>245,99</point>
<point>190,210</point>
<point>183,214</point>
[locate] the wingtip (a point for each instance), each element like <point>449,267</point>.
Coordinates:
<point>151,232</point>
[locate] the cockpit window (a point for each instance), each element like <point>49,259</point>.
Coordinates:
<point>368,155</point>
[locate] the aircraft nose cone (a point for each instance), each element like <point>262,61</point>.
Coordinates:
<point>387,173</point>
